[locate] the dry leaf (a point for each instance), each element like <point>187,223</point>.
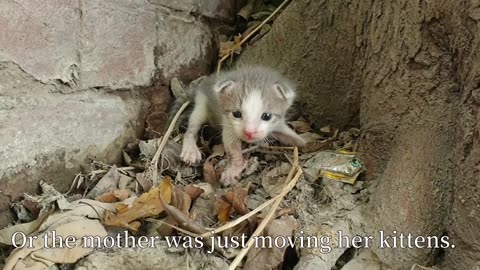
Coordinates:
<point>316,146</point>
<point>223,210</point>
<point>274,180</point>
<point>209,174</point>
<point>41,257</point>
<point>124,181</point>
<point>183,220</point>
<point>108,182</point>
<point>181,200</point>
<point>107,197</point>
<point>114,196</point>
<point>310,137</point>
<point>301,126</point>
<point>122,194</point>
<point>193,191</point>
<point>230,47</point>
<point>147,205</point>
<point>146,185</point>
<point>237,198</point>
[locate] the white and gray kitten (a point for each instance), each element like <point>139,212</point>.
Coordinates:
<point>250,104</point>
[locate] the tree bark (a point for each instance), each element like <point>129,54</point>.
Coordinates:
<point>411,70</point>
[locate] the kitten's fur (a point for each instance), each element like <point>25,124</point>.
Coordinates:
<point>252,92</point>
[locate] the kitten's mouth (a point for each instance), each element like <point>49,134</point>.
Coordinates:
<point>251,140</point>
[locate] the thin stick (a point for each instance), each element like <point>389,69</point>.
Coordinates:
<point>264,222</point>
<point>237,221</point>
<point>292,182</point>
<point>154,162</point>
<point>119,168</point>
<point>251,33</point>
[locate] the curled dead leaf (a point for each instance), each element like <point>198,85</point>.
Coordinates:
<point>209,174</point>
<point>237,199</point>
<point>147,205</point>
<point>223,210</point>
<point>193,191</point>
<point>301,126</point>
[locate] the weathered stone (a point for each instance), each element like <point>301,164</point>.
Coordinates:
<point>41,37</point>
<point>186,48</point>
<point>56,47</point>
<point>50,135</point>
<point>105,43</point>
<point>217,9</point>
<point>117,45</point>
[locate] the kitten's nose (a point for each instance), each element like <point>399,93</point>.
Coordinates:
<point>250,134</point>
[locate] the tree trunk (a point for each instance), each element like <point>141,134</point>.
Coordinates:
<point>412,68</point>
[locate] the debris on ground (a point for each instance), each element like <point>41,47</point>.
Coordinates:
<point>154,209</point>
<point>274,198</point>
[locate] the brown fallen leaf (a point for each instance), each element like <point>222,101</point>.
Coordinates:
<point>238,199</point>
<point>114,196</point>
<point>301,126</point>
<point>146,185</point>
<point>180,200</point>
<point>223,210</point>
<point>147,205</point>
<point>193,191</point>
<point>209,174</point>
<point>107,197</point>
<point>122,194</point>
<point>182,219</point>
<point>310,136</point>
<point>316,146</point>
<point>230,47</point>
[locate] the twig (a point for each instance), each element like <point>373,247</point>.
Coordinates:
<point>292,182</point>
<point>239,220</point>
<point>154,162</point>
<point>219,66</point>
<point>122,169</point>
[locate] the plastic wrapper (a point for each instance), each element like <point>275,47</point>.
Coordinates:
<point>340,165</point>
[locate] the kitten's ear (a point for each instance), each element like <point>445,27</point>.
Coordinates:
<point>223,87</point>
<point>286,135</point>
<point>284,91</point>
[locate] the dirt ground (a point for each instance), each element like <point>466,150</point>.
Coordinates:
<point>393,85</point>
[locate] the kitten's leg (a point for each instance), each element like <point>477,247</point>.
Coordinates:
<point>236,163</point>
<point>190,152</point>
<point>286,135</point>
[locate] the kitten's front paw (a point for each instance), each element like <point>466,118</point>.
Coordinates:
<point>231,174</point>
<point>190,153</point>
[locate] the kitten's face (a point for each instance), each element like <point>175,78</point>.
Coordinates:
<point>251,120</point>
<point>252,113</point>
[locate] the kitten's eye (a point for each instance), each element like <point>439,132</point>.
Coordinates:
<point>237,114</point>
<point>266,116</point>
